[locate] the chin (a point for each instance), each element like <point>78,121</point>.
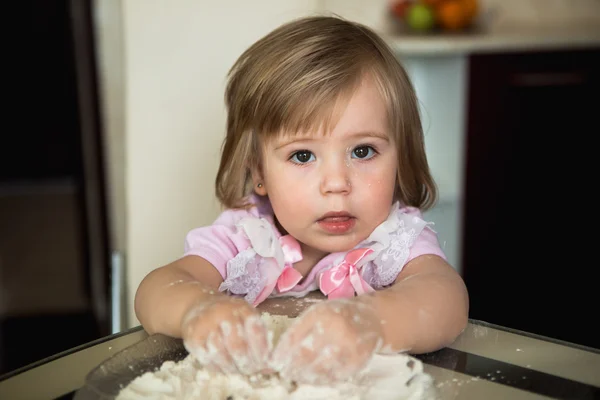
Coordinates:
<point>338,244</point>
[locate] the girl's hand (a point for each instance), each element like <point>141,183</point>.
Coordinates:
<point>227,335</point>
<point>331,341</point>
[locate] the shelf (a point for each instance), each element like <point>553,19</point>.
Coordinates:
<point>506,39</point>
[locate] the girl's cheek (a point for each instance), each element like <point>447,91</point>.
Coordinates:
<point>298,173</point>
<point>369,170</point>
<point>373,176</point>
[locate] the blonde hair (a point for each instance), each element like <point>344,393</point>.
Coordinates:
<point>294,79</point>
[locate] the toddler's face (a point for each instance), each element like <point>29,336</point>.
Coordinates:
<point>331,191</point>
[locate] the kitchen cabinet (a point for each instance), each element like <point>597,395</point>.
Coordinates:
<point>529,241</point>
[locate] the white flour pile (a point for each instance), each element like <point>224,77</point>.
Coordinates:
<point>395,377</point>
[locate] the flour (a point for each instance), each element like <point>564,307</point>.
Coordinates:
<point>386,377</point>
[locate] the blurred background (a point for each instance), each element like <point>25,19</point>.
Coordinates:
<point>117,116</point>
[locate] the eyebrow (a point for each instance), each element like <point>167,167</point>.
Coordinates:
<point>307,138</point>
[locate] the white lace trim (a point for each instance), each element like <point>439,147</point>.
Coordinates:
<point>244,272</point>
<point>391,242</point>
<point>243,276</point>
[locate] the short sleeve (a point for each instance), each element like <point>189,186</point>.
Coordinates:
<point>220,242</point>
<point>426,243</point>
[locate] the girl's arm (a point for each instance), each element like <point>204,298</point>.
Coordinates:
<point>167,293</point>
<point>182,300</point>
<point>425,309</point>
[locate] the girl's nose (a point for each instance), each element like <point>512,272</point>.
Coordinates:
<point>335,179</point>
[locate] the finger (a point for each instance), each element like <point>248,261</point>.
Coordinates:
<point>312,347</point>
<point>201,356</point>
<point>335,363</point>
<point>194,337</point>
<point>369,343</point>
<point>338,360</point>
<point>193,331</point>
<point>301,354</point>
<point>354,359</point>
<point>293,335</point>
<point>236,346</point>
<point>324,369</point>
<point>258,341</point>
<point>196,312</point>
<point>218,355</point>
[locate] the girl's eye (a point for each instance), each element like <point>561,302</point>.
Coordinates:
<point>363,152</point>
<point>302,157</point>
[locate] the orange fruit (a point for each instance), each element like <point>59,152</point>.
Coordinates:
<point>453,15</point>
<point>471,8</point>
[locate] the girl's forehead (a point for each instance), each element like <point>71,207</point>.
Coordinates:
<point>317,117</point>
<point>299,128</point>
<point>318,129</point>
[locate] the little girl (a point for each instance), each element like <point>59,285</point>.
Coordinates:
<point>324,177</point>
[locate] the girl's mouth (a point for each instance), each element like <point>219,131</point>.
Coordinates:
<point>338,222</point>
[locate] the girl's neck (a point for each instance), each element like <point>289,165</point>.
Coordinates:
<point>310,258</point>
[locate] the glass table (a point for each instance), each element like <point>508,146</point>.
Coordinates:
<point>485,362</point>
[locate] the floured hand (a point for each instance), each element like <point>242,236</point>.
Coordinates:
<point>227,335</point>
<point>330,342</point>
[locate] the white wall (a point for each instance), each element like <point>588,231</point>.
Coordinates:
<point>170,78</point>
<point>502,14</point>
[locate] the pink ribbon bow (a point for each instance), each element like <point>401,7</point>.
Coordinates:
<point>289,277</point>
<point>291,254</point>
<point>344,279</point>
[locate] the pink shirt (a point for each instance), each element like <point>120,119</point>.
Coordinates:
<point>255,260</point>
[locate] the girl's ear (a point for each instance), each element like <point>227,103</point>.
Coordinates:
<point>258,182</point>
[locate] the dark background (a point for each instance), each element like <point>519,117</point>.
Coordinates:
<point>53,260</point>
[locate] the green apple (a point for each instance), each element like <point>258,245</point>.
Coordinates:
<point>420,17</point>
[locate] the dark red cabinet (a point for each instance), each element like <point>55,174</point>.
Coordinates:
<point>530,235</point>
